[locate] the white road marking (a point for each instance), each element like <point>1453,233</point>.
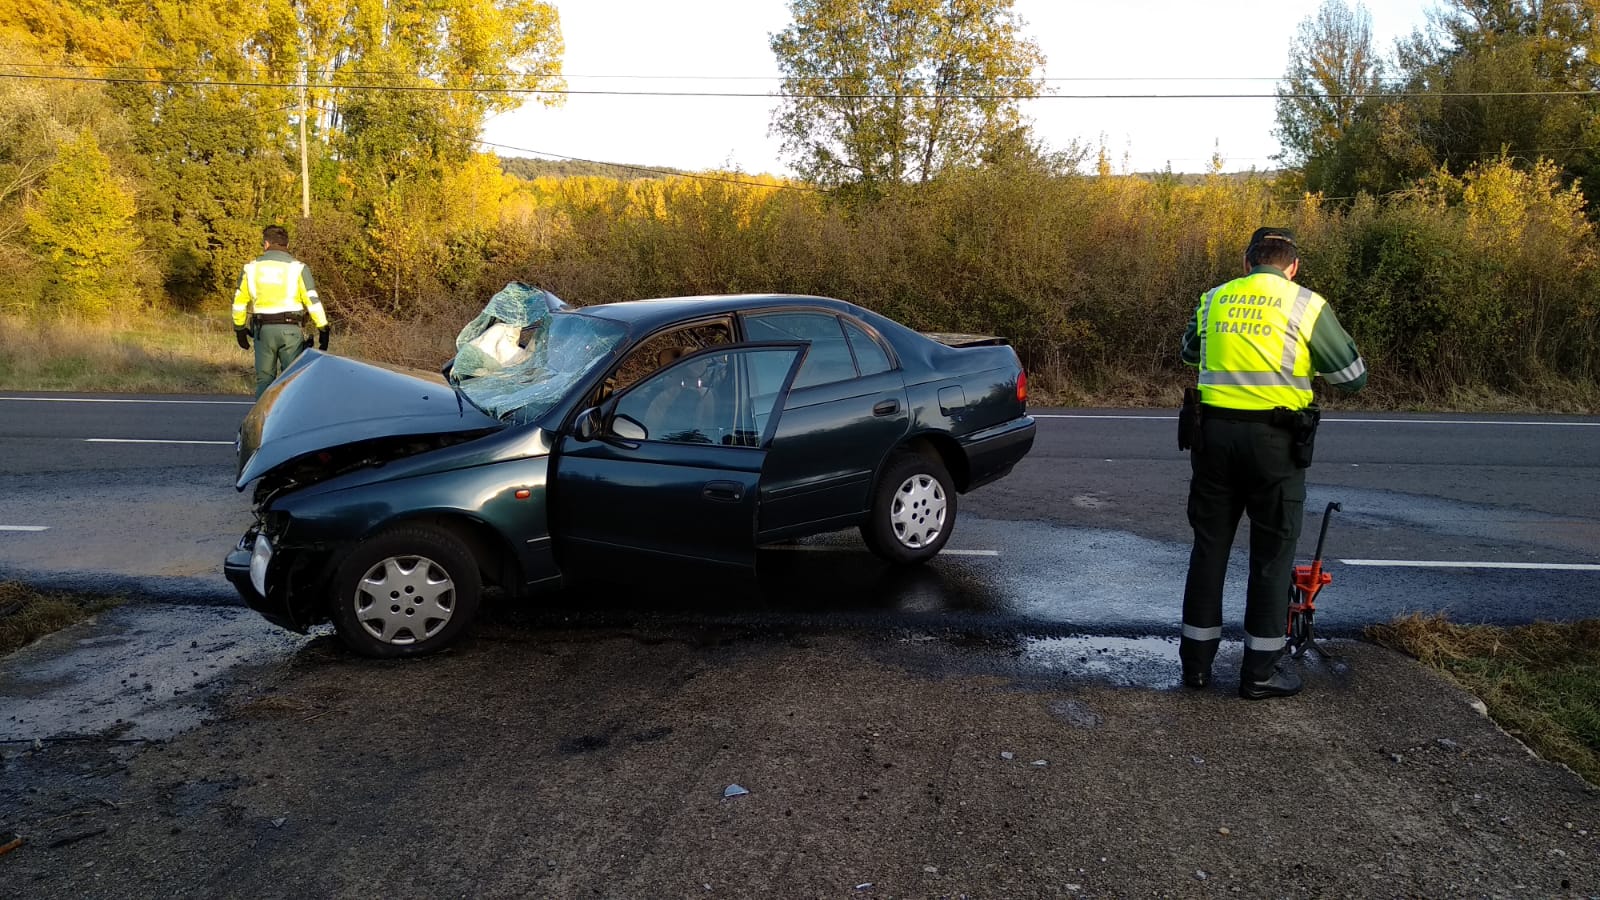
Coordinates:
<point>1448,564</point>
<point>24,527</point>
<point>1465,422</point>
<point>1327,420</point>
<point>151,441</point>
<point>125,400</point>
<point>1088,416</point>
<point>842,548</point>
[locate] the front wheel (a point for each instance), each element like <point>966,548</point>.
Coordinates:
<point>409,591</point>
<point>913,510</point>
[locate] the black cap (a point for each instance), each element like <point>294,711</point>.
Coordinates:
<point>1271,234</point>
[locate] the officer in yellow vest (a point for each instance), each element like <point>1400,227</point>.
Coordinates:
<point>275,297</point>
<point>1257,341</point>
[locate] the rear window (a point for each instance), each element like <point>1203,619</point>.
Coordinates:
<point>829,359</point>
<point>871,358</point>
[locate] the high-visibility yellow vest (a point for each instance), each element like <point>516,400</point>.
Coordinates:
<point>276,283</point>
<point>1255,333</point>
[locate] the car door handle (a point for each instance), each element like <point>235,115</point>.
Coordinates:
<point>886,408</point>
<point>724,491</point>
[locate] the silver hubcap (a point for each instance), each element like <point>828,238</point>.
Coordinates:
<point>917,514</point>
<point>405,599</point>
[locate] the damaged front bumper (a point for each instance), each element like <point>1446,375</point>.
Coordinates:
<point>261,572</point>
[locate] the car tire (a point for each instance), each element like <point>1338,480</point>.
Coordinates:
<point>913,510</point>
<point>408,591</point>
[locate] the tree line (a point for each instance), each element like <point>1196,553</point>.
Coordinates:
<point>1458,256</point>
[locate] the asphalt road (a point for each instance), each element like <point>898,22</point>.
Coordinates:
<point>1492,518</point>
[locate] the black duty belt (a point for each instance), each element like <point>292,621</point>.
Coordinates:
<point>280,319</point>
<point>1281,416</point>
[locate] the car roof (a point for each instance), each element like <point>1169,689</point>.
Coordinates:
<point>665,310</point>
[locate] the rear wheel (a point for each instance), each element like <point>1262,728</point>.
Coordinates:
<point>409,591</point>
<point>913,510</point>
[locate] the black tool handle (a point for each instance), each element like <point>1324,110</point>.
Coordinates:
<point>1327,514</point>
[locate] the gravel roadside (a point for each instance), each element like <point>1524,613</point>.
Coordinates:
<point>549,762</point>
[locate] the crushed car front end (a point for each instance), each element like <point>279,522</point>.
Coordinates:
<point>348,458</point>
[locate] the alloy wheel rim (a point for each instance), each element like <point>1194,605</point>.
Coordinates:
<point>918,512</point>
<point>405,600</point>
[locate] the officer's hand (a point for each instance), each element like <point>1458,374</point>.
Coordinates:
<point>243,336</point>
<point>322,338</point>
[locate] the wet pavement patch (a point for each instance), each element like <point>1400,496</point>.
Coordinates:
<point>139,672</point>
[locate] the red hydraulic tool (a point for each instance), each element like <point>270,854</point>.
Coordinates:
<point>1308,581</point>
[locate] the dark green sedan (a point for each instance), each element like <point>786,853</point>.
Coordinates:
<point>619,441</point>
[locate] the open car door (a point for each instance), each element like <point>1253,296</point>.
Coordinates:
<point>669,471</point>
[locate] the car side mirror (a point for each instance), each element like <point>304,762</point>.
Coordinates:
<point>591,422</point>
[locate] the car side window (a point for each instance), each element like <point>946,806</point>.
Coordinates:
<point>871,358</point>
<point>719,398</point>
<point>660,350</point>
<point>829,359</point>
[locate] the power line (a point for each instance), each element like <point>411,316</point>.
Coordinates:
<point>332,70</point>
<point>450,89</point>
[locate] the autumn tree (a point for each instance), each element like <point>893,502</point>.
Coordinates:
<point>407,86</point>
<point>882,91</point>
<point>1509,76</point>
<point>1485,78</point>
<point>80,226</point>
<point>1333,70</point>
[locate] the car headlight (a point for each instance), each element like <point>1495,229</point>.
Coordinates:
<point>260,558</point>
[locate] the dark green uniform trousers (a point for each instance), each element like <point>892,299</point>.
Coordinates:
<point>1242,467</point>
<point>276,347</point>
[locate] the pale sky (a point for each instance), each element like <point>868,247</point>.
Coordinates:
<point>722,45</point>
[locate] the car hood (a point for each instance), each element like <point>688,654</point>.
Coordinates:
<point>322,402</point>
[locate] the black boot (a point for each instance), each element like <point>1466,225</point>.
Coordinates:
<point>1280,681</point>
<point>1196,657</point>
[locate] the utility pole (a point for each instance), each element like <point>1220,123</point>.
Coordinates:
<point>305,167</point>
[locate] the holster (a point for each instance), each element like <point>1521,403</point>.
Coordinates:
<point>1302,427</point>
<point>1190,434</point>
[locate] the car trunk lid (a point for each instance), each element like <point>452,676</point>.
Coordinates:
<point>966,340</point>
<point>323,402</point>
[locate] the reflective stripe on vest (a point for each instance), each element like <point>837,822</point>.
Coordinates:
<point>1254,333</point>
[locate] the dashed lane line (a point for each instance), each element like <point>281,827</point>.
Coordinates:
<point>1470,564</point>
<point>24,527</point>
<point>152,441</point>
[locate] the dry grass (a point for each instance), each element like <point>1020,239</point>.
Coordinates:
<point>1541,682</point>
<point>27,615</point>
<point>143,353</point>
<point>182,353</point>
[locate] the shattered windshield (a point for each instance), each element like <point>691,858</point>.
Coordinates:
<point>526,350</point>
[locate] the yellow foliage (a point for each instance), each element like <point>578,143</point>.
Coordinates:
<point>474,195</point>
<point>1508,207</point>
<point>62,31</point>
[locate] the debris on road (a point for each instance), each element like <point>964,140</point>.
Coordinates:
<point>734,790</point>
<point>80,836</point>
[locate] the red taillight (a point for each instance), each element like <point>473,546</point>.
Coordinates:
<point>1022,387</point>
